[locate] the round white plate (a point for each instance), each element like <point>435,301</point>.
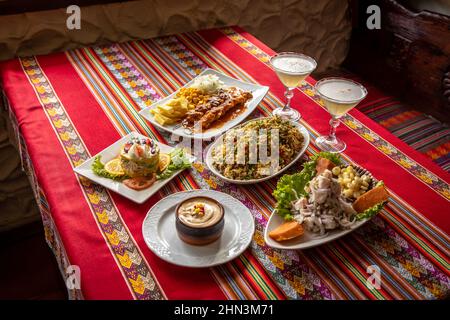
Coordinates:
<point>162,238</point>
<point>209,160</point>
<point>308,239</point>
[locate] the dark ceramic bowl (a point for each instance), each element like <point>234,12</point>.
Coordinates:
<point>202,235</point>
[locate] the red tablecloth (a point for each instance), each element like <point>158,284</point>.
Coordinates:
<point>68,106</point>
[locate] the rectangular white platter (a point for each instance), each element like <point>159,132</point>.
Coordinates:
<point>257,91</point>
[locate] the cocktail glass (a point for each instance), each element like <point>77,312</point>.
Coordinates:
<point>339,95</point>
<point>291,68</point>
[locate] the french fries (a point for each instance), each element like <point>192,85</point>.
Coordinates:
<point>171,112</point>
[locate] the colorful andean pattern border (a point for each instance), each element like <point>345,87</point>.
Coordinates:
<point>50,231</point>
<point>133,266</point>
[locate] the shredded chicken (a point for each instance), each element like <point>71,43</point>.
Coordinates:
<point>325,208</point>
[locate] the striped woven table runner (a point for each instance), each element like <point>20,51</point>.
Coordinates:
<point>69,106</point>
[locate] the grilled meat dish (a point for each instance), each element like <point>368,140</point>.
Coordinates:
<point>215,107</point>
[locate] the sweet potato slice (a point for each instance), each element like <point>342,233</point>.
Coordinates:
<point>287,231</point>
<point>324,164</point>
<point>370,198</point>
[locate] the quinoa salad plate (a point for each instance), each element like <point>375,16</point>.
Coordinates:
<point>292,140</point>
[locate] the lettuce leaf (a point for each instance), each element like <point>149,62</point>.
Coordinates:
<point>379,183</point>
<point>333,157</point>
<point>292,187</point>
<point>369,213</point>
<point>178,161</point>
<point>289,188</point>
<point>99,169</point>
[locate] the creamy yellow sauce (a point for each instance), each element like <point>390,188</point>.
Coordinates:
<point>211,214</point>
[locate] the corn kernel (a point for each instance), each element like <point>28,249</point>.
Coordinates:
<point>348,193</point>
<point>336,171</point>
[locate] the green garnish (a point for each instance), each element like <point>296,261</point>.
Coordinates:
<point>333,157</point>
<point>178,161</point>
<point>99,169</point>
<point>369,213</point>
<point>289,188</point>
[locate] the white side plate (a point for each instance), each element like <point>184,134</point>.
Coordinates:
<point>161,236</point>
<point>209,159</point>
<point>257,91</point>
<point>308,239</point>
<point>110,153</point>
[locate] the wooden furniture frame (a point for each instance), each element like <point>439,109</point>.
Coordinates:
<point>409,56</point>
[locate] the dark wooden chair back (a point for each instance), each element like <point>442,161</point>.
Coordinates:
<point>409,56</point>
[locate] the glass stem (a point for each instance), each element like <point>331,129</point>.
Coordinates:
<point>334,123</point>
<point>288,94</point>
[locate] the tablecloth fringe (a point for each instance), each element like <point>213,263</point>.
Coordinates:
<point>51,234</point>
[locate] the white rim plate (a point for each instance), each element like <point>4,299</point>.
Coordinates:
<point>257,91</point>
<point>209,160</point>
<point>161,236</point>
<point>111,152</point>
<point>308,239</point>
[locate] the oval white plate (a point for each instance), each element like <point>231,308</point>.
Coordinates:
<point>209,160</point>
<point>308,239</point>
<point>161,236</point>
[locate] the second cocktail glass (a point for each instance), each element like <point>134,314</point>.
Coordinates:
<point>339,95</point>
<point>292,68</point>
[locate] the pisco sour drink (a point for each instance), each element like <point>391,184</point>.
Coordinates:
<point>293,69</point>
<point>340,95</point>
